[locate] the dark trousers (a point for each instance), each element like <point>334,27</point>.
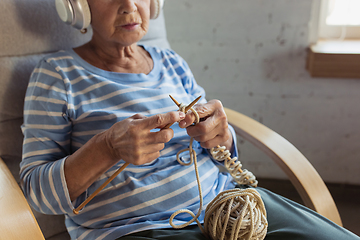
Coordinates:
<point>287,221</point>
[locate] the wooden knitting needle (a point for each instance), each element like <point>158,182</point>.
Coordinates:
<point>174,100</point>
<point>186,108</point>
<point>82,205</point>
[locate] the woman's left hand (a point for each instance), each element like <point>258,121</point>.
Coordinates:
<point>212,130</point>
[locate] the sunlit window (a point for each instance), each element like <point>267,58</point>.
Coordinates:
<point>343,12</point>
<point>339,19</point>
<point>334,37</point>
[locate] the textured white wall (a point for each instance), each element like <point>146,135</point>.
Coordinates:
<point>251,55</point>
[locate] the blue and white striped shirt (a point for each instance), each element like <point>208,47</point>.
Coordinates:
<point>68,101</point>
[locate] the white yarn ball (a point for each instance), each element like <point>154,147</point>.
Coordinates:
<point>236,214</point>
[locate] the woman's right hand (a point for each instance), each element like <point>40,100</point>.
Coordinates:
<point>130,140</point>
<point>133,141</point>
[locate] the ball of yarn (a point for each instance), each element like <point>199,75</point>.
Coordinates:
<point>236,214</point>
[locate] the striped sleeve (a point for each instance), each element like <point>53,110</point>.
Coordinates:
<point>46,128</point>
<point>184,72</point>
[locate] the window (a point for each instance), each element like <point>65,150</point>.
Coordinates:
<point>339,19</point>
<point>335,39</point>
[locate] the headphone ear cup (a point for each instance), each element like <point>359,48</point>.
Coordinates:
<point>65,11</point>
<point>155,8</point>
<point>82,14</point>
<point>74,12</point>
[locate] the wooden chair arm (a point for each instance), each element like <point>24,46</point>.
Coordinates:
<point>16,219</point>
<point>301,173</point>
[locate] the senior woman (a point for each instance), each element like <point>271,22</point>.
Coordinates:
<point>91,109</point>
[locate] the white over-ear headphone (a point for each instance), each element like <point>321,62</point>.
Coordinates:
<point>77,12</point>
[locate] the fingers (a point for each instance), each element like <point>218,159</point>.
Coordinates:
<point>213,128</point>
<point>148,148</point>
<point>138,116</point>
<point>133,141</point>
<point>141,151</point>
<point>145,155</point>
<point>163,136</point>
<point>205,130</point>
<point>223,139</point>
<point>210,132</point>
<point>204,111</point>
<point>161,120</point>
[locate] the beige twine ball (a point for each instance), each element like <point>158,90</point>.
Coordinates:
<point>236,214</point>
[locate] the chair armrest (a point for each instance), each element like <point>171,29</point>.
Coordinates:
<point>16,219</point>
<point>301,173</point>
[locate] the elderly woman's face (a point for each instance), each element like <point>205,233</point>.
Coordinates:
<point>121,22</point>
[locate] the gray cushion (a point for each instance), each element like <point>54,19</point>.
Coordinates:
<point>29,27</point>
<point>14,77</point>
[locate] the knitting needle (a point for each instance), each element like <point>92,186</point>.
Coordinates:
<point>186,108</point>
<point>174,100</point>
<point>82,205</point>
<point>192,104</point>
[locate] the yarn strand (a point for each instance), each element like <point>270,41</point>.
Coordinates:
<point>233,214</point>
<point>233,165</point>
<point>193,159</point>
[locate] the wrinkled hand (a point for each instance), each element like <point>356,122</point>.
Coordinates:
<point>132,140</point>
<point>212,130</point>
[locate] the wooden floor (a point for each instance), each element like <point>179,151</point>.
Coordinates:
<point>346,197</point>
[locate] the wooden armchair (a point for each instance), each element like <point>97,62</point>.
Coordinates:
<point>18,222</point>
<point>30,29</point>
<point>301,173</point>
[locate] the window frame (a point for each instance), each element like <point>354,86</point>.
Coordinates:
<point>331,56</point>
